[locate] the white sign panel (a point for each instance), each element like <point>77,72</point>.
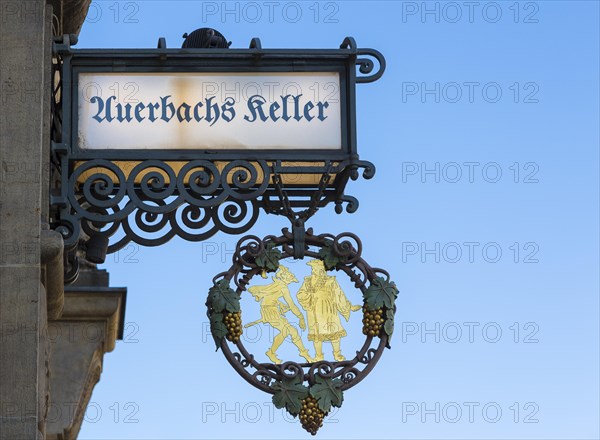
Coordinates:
<point>216,111</point>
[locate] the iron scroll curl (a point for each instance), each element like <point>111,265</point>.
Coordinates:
<point>365,65</point>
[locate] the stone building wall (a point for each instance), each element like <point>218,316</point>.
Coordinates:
<point>41,373</point>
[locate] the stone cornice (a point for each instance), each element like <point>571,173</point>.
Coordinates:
<point>84,303</point>
<point>71,14</point>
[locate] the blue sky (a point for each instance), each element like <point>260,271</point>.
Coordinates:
<point>484,208</point>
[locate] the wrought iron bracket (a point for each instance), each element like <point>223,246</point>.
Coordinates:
<point>299,238</point>
<point>192,195</point>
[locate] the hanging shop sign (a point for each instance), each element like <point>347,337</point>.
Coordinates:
<point>149,144</point>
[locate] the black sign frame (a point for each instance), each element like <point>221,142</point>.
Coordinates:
<point>87,61</point>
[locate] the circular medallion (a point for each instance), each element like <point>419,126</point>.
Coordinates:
<point>314,382</point>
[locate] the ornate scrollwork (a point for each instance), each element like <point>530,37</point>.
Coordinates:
<point>152,203</point>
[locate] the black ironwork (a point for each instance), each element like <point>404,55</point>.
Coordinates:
<point>347,248</point>
<point>148,196</point>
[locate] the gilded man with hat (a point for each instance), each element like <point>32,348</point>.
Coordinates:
<point>323,299</point>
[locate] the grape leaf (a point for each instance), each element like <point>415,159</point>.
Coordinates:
<point>269,258</point>
<point>389,326</point>
<point>327,392</point>
<point>222,297</point>
<point>289,394</point>
<point>329,257</point>
<point>218,328</point>
<point>381,293</point>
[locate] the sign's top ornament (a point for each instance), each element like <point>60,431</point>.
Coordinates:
<point>205,38</point>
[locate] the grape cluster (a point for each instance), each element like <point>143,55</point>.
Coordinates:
<point>373,321</point>
<point>233,321</point>
<point>311,416</point>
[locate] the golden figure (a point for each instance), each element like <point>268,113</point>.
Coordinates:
<point>323,299</point>
<point>272,312</point>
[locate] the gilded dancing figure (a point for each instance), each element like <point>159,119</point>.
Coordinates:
<point>272,312</point>
<point>323,299</point>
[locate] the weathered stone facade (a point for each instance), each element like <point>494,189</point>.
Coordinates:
<point>43,368</point>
